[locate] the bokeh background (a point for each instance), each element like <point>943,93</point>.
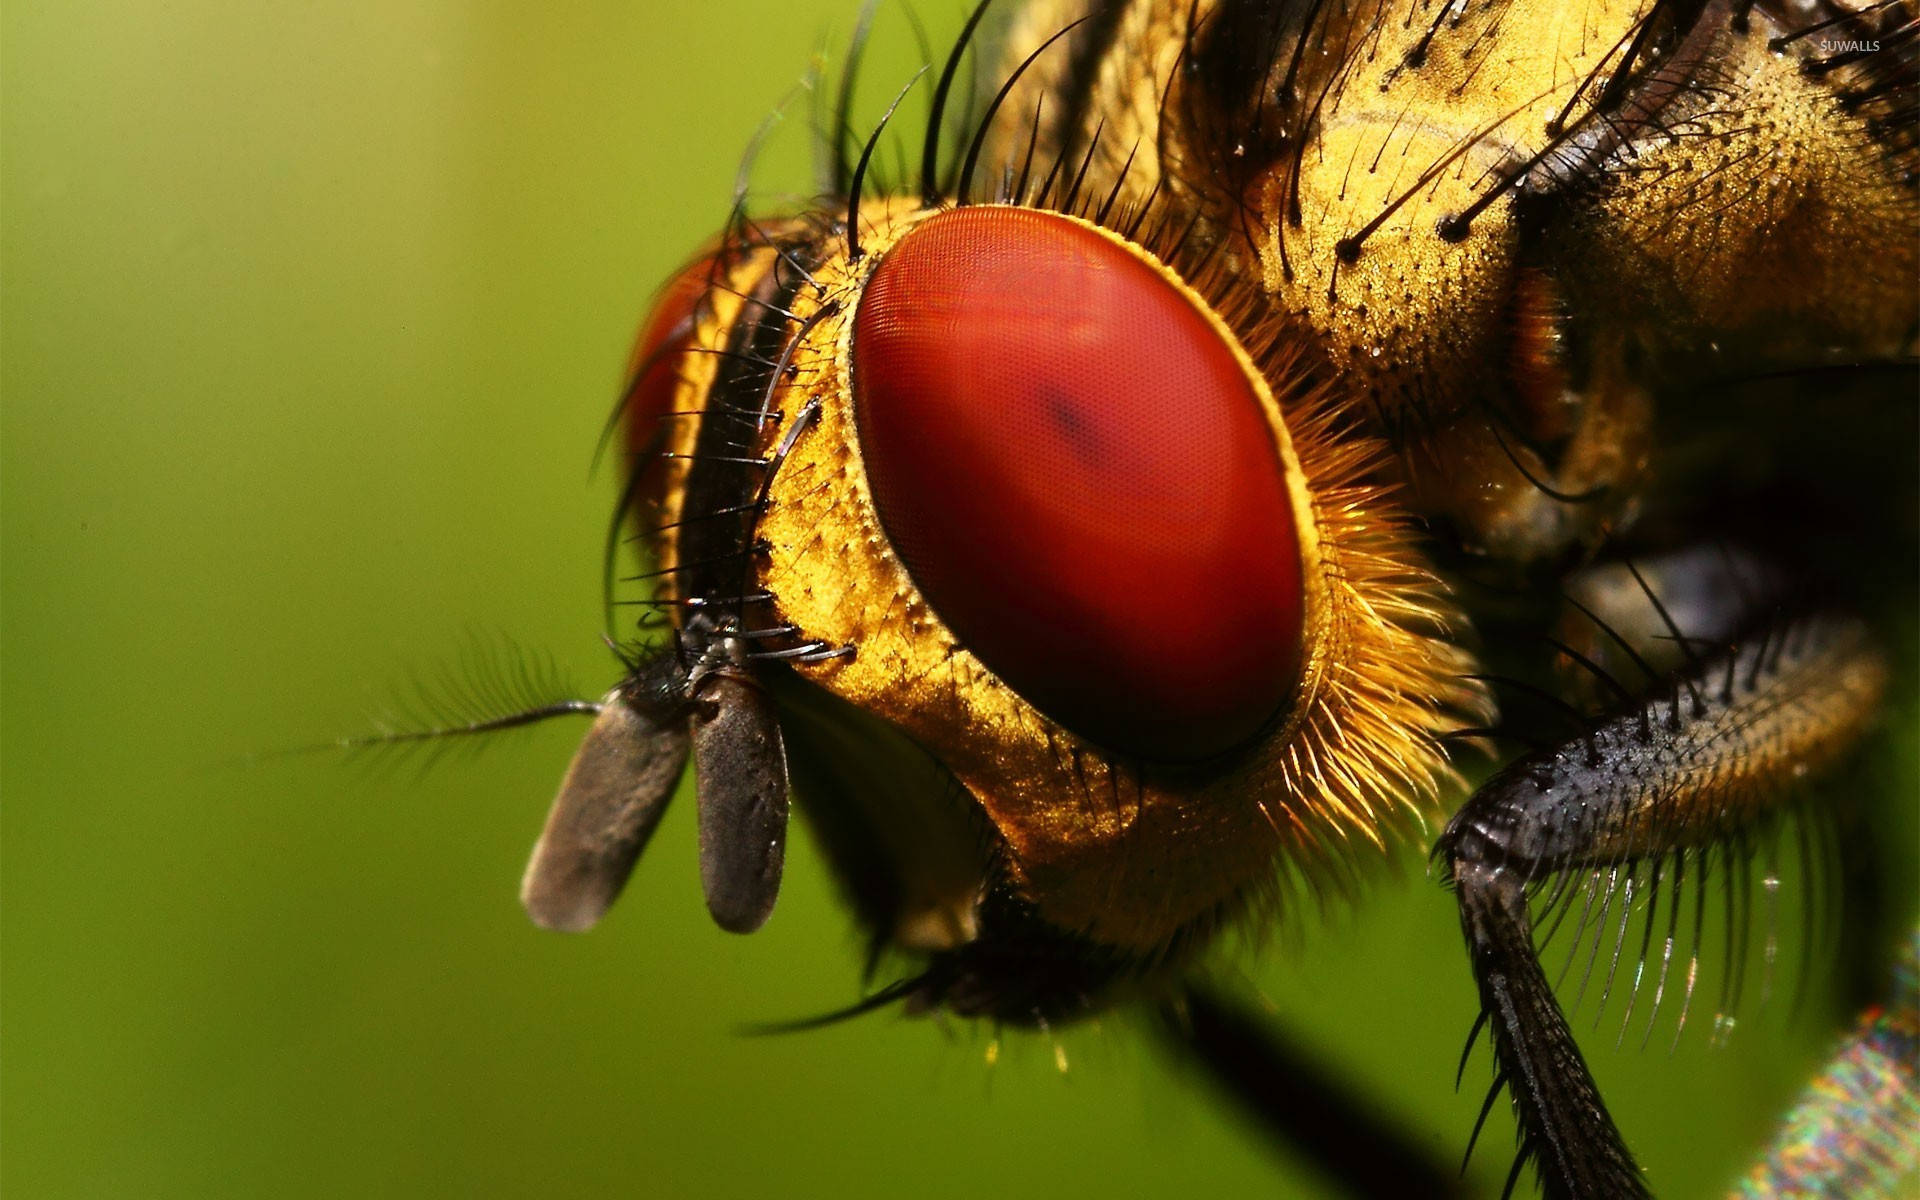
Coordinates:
<point>311,315</point>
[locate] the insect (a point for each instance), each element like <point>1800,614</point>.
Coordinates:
<point>1090,537</point>
<point>1440,190</point>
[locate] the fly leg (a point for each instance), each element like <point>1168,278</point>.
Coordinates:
<point>1709,761</point>
<point>1307,1106</point>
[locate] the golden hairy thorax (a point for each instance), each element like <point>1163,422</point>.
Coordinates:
<point>1471,220</point>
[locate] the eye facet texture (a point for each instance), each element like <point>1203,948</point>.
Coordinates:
<point>1076,469</point>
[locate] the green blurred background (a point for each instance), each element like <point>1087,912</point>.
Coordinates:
<point>311,314</point>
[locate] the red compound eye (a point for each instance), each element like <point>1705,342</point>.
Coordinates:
<point>1077,471</point>
<point>653,372</point>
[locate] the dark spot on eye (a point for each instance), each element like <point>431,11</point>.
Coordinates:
<point>1074,429</point>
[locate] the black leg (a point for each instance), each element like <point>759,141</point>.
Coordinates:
<point>1569,1135</point>
<point>1300,1102</point>
<point>1709,762</point>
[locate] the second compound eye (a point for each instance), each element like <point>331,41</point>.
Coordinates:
<point>1077,467</point>
<point>659,354</point>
